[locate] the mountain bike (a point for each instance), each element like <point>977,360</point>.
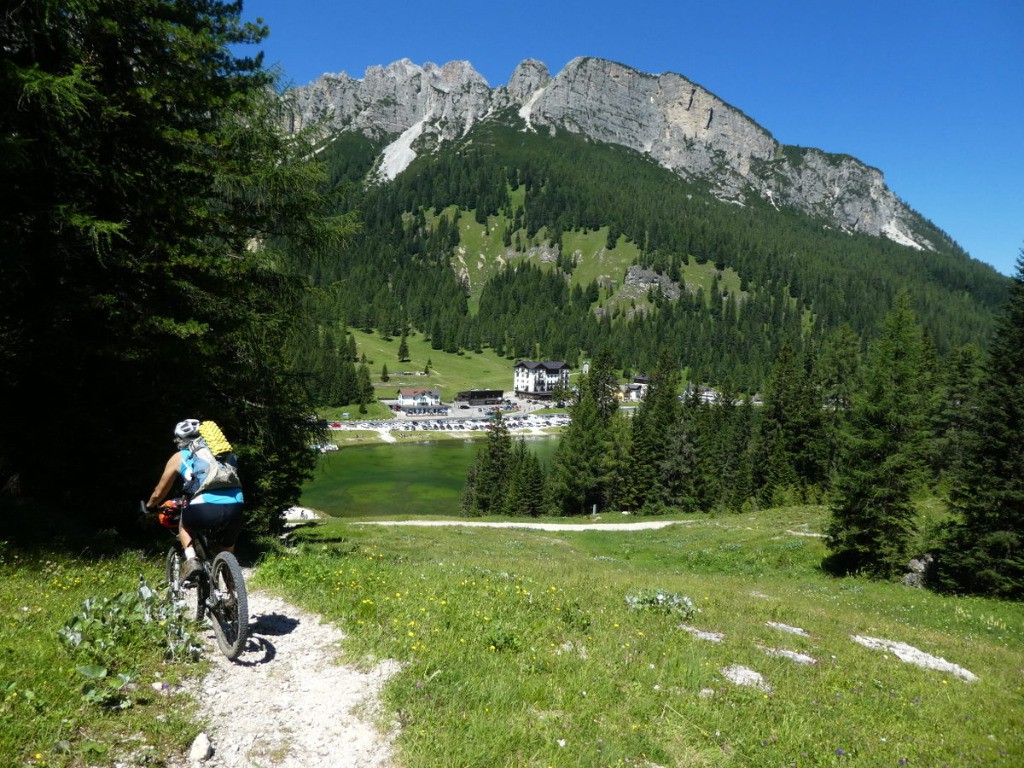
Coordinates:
<point>218,589</point>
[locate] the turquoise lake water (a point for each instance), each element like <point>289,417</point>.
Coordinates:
<point>403,479</point>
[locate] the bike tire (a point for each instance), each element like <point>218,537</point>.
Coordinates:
<point>193,599</point>
<point>229,605</point>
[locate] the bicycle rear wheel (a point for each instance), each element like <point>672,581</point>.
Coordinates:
<point>192,598</point>
<point>229,605</point>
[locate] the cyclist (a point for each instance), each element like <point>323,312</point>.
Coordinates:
<point>220,508</point>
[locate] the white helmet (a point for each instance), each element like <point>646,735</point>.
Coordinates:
<point>187,430</point>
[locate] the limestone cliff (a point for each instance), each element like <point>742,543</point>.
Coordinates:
<point>676,122</point>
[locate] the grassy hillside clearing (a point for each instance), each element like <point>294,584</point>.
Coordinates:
<point>482,252</point>
<point>528,648</point>
<point>56,709</point>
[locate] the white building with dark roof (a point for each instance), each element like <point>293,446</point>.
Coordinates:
<point>540,379</point>
<point>418,398</point>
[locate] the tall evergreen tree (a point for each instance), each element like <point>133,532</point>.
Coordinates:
<point>142,162</point>
<point>838,368</point>
<point>582,469</point>
<point>525,492</point>
<point>364,386</point>
<point>649,456</point>
<point>487,483</point>
<point>985,548</point>
<point>790,444</point>
<point>679,468</point>
<point>951,419</point>
<point>873,518</point>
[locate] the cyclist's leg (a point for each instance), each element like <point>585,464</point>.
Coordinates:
<point>184,535</point>
<point>231,526</point>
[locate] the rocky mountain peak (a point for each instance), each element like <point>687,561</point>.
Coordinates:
<point>674,121</point>
<point>529,77</point>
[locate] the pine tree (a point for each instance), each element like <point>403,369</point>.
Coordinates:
<point>873,518</point>
<point>142,158</point>
<point>790,445</point>
<point>525,493</point>
<point>467,500</point>
<point>364,387</point>
<point>403,350</point>
<point>487,484</point>
<point>838,367</point>
<point>678,469</point>
<point>984,551</point>
<point>740,486</point>
<point>656,418</point>
<point>951,419</point>
<point>583,467</point>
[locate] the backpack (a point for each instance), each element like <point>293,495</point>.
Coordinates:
<point>210,464</point>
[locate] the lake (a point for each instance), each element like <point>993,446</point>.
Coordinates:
<point>399,479</point>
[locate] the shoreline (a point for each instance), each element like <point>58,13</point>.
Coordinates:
<point>390,436</point>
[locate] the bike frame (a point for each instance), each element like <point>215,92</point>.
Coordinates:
<point>220,591</point>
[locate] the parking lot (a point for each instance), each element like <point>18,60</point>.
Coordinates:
<point>516,422</point>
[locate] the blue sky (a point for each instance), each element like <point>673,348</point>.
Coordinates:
<point>931,92</point>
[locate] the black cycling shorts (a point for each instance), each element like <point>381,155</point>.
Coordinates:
<point>227,518</point>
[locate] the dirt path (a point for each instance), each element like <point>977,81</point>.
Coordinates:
<point>562,527</point>
<point>287,701</point>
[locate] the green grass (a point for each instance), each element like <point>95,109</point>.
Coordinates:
<point>519,648</point>
<point>482,253</point>
<point>451,373</point>
<point>44,718</point>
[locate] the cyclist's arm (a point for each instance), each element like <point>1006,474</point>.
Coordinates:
<point>163,487</point>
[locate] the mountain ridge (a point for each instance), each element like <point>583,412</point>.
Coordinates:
<point>674,121</point>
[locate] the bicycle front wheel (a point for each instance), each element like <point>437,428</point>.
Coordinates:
<point>229,605</point>
<point>174,562</point>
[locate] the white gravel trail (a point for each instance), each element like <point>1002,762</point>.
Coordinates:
<point>287,701</point>
<point>558,527</point>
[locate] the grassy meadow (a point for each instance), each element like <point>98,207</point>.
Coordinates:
<point>482,253</point>
<point>451,373</point>
<point>565,648</point>
<point>531,648</point>
<point>55,708</point>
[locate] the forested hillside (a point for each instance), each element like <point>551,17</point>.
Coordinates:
<point>479,244</point>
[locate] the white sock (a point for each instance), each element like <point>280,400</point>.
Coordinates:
<point>190,553</point>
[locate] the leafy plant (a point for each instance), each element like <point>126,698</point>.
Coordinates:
<point>106,630</point>
<point>104,690</point>
<point>663,601</point>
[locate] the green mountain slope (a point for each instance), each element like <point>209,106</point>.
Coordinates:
<point>521,242</point>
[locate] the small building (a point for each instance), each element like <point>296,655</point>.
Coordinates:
<point>703,394</point>
<point>633,393</point>
<point>540,379</point>
<point>418,398</point>
<point>481,397</point>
